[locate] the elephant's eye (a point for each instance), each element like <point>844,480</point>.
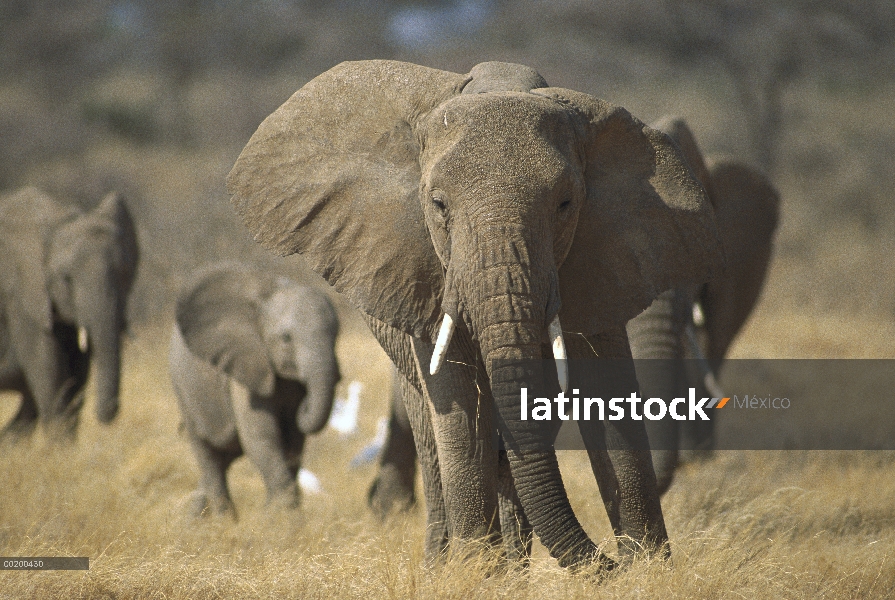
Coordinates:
<point>286,337</point>
<point>438,202</point>
<point>564,206</point>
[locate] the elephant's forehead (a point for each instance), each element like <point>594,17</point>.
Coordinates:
<point>500,135</point>
<point>506,115</point>
<point>295,306</point>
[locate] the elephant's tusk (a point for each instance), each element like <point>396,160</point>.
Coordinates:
<point>82,339</point>
<point>554,330</point>
<point>441,344</point>
<point>708,378</point>
<point>698,315</point>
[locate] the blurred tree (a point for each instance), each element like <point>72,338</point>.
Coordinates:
<point>766,46</point>
<point>762,46</point>
<point>156,97</point>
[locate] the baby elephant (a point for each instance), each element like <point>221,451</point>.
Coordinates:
<point>253,365</point>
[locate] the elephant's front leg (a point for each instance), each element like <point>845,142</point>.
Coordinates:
<point>465,440</point>
<point>42,361</point>
<point>25,419</point>
<point>632,499</point>
<point>12,379</point>
<point>212,496</point>
<point>641,524</point>
<point>262,441</point>
<point>399,348</point>
<point>424,440</point>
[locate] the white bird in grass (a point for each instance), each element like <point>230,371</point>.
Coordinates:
<point>369,452</point>
<point>309,483</point>
<point>344,414</point>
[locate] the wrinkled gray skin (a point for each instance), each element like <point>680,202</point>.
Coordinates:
<point>746,214</point>
<point>62,270</point>
<point>503,203</point>
<point>253,364</point>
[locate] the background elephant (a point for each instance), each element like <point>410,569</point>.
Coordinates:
<point>746,214</point>
<point>65,276</point>
<point>506,206</point>
<point>253,364</point>
<point>393,489</point>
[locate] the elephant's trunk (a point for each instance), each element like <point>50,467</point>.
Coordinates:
<point>510,308</point>
<point>533,461</point>
<point>100,312</point>
<point>105,340</point>
<point>315,409</point>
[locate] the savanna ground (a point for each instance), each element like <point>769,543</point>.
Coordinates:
<point>781,524</point>
<point>744,524</point>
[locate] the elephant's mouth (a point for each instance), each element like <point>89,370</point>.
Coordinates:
<point>288,369</point>
<point>554,333</point>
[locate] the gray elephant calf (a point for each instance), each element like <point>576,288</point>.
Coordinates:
<point>65,276</point>
<point>253,365</point>
<point>746,207</point>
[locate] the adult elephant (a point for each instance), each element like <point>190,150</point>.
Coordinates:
<point>672,347</point>
<point>64,281</point>
<point>253,365</point>
<point>481,201</point>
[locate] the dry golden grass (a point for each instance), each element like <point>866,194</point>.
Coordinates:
<point>743,525</point>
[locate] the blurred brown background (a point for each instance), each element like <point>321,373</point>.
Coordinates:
<point>157,97</point>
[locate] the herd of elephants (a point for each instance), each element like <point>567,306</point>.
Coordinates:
<point>476,220</point>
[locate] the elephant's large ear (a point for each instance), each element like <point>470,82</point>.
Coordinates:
<point>28,218</point>
<point>747,205</point>
<point>334,174</point>
<point>746,211</point>
<point>645,226</point>
<point>217,316</point>
<point>113,209</point>
<point>676,128</point>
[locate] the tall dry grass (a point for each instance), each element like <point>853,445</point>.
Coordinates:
<point>742,525</point>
